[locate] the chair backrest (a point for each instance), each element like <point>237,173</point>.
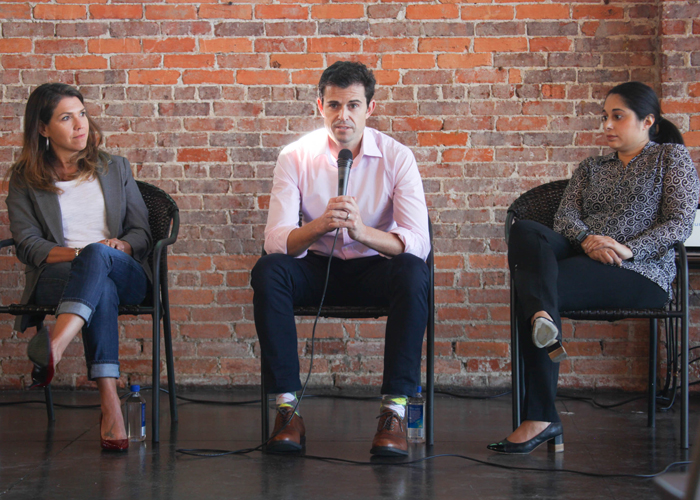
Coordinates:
<point>539,204</point>
<point>161,212</point>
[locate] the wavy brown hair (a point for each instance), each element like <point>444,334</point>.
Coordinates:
<point>35,166</point>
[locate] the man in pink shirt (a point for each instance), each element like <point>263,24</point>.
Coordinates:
<point>378,259</point>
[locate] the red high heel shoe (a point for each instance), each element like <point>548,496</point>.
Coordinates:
<point>112,444</point>
<point>39,352</point>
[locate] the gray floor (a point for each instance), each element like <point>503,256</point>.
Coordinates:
<point>64,461</point>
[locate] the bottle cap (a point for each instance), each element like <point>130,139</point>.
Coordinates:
<point>135,388</point>
<point>418,390</point>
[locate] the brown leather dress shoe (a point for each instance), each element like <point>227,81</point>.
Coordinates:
<point>291,437</point>
<point>390,439</point>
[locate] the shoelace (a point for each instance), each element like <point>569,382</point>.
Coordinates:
<point>389,417</point>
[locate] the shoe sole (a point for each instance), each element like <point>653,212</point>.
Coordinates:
<point>286,446</point>
<point>544,333</point>
<point>387,451</point>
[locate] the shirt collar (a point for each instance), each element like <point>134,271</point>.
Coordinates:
<point>369,144</point>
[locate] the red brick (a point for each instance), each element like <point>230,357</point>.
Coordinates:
<point>81,62</point>
<point>60,12</point>
<point>296,61</point>
<point>442,139</point>
<point>114,45</point>
<point>432,12</point>
<point>269,77</point>
<point>15,11</point>
<point>487,12</point>
<point>482,349</point>
<point>509,44</point>
<point>448,44</point>
<point>189,61</point>
<point>25,62</point>
<point>10,45</point>
<point>333,44</point>
<point>153,77</point>
<point>202,154</point>
<point>281,12</point>
<point>409,61</point>
<point>135,61</point>
<point>597,12</point>
<point>550,44</point>
<point>226,45</point>
<point>463,60</point>
<point>226,11</point>
<point>195,77</point>
<point>381,45</point>
<point>400,124</point>
<point>116,11</point>
<point>524,123</point>
<point>553,11</point>
<point>348,11</point>
<point>162,12</point>
<point>169,45</point>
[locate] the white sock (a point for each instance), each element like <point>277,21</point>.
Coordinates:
<point>286,399</point>
<point>397,404</point>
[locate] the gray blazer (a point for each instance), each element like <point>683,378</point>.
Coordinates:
<point>37,227</point>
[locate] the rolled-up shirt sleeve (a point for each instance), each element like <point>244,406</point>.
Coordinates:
<point>410,211</point>
<point>283,214</point>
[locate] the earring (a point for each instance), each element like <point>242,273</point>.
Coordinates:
<point>47,144</point>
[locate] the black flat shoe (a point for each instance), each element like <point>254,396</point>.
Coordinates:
<point>553,434</point>
<point>39,352</point>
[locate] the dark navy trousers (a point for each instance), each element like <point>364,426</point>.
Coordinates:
<point>281,282</point>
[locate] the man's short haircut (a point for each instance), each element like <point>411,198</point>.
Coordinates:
<point>342,74</point>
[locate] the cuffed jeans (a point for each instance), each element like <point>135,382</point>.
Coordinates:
<point>551,275</point>
<point>281,282</point>
<point>93,286</point>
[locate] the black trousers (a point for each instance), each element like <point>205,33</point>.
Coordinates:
<point>281,282</point>
<point>551,275</point>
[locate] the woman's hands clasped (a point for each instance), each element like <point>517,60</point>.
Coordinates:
<point>606,250</point>
<point>117,244</point>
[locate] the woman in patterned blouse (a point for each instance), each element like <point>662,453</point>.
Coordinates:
<point>611,247</point>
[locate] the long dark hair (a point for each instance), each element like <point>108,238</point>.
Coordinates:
<point>34,167</point>
<point>642,99</point>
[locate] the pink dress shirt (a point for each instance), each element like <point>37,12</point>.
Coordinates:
<point>384,179</point>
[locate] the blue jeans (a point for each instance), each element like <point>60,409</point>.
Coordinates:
<point>93,286</point>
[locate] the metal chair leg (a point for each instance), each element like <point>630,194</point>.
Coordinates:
<point>167,337</point>
<point>514,359</point>
<point>651,397</point>
<point>264,410</point>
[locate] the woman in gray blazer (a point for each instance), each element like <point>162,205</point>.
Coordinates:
<point>81,227</point>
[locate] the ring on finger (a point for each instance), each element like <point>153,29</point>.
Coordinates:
<point>347,216</point>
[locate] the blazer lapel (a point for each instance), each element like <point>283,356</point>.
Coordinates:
<point>50,209</point>
<point>111,191</point>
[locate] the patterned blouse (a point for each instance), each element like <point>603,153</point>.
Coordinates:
<point>647,206</point>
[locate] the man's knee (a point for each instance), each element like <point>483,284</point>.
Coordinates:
<point>268,268</point>
<point>410,271</point>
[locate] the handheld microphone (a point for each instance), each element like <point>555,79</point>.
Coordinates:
<point>344,164</point>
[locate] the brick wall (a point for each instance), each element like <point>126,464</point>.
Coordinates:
<point>493,97</point>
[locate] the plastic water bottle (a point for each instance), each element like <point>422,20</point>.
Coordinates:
<point>416,411</point>
<point>135,415</point>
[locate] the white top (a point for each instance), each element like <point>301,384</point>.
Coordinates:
<point>82,212</point>
<point>384,178</point>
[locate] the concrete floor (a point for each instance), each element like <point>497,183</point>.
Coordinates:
<point>64,461</point>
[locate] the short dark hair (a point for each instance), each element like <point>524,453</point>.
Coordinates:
<point>642,99</point>
<point>342,74</point>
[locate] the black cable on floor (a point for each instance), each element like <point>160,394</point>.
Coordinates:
<point>209,453</point>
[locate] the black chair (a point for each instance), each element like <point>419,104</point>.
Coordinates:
<point>540,204</point>
<point>375,312</point>
<point>164,221</point>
